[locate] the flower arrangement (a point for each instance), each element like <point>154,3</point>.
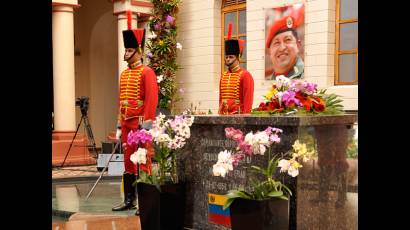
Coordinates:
<point>163,47</point>
<point>259,143</point>
<point>136,138</point>
<point>298,96</point>
<point>167,137</point>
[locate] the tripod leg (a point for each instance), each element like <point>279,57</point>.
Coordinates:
<point>78,126</point>
<point>90,134</point>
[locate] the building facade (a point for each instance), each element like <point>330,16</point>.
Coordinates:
<point>88,51</point>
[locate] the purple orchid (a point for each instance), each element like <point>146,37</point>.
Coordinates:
<point>157,26</point>
<point>274,138</point>
<point>139,136</point>
<point>289,98</point>
<point>311,88</point>
<point>170,19</point>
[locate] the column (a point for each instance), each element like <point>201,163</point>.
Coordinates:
<point>122,25</point>
<point>63,68</point>
<point>65,123</point>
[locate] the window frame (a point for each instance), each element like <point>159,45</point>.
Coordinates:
<point>341,52</point>
<point>229,9</point>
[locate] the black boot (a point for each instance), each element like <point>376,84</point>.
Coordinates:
<point>129,193</point>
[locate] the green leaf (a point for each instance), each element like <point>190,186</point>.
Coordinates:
<point>275,194</point>
<point>283,197</point>
<point>287,189</point>
<point>228,203</point>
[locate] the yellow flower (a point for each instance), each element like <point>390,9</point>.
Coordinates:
<point>270,93</point>
<point>161,42</point>
<point>295,164</point>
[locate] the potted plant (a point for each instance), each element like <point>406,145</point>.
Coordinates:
<point>265,204</point>
<point>161,191</point>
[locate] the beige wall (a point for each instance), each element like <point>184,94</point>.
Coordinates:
<point>96,64</point>
<point>200,35</point>
<point>199,32</point>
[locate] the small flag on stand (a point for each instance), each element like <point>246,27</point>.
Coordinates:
<point>216,213</point>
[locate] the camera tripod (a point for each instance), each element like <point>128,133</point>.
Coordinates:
<point>89,135</point>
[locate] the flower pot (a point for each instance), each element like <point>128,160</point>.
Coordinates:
<point>259,214</point>
<point>161,210</point>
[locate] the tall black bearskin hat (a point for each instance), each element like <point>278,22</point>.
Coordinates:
<point>233,46</point>
<point>133,38</point>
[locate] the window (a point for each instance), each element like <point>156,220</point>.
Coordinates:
<point>346,61</point>
<point>234,11</point>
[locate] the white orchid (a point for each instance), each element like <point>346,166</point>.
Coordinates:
<point>160,78</point>
<point>152,36</point>
<point>140,156</point>
<point>219,170</point>
<point>259,142</point>
<point>291,166</point>
<point>224,164</point>
<point>282,81</point>
<point>179,46</point>
<point>284,165</point>
<point>293,171</point>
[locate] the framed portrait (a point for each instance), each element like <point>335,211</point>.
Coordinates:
<point>284,41</point>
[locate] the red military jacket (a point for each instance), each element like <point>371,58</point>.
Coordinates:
<point>236,92</point>
<point>138,93</point>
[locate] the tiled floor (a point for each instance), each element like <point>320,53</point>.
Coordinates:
<point>76,171</point>
<point>100,223</point>
<point>91,220</point>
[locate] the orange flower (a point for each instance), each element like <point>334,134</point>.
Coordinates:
<point>306,101</point>
<point>318,104</point>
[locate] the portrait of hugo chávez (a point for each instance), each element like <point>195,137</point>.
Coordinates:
<point>284,36</point>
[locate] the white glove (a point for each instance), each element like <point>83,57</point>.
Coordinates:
<point>147,125</point>
<point>118,134</point>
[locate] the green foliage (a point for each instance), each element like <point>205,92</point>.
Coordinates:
<point>263,189</point>
<point>352,151</point>
<point>163,49</point>
<point>147,179</point>
<point>333,103</point>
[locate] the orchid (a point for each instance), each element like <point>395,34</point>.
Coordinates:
<point>140,156</point>
<point>169,19</point>
<point>157,26</point>
<point>254,144</point>
<point>168,136</point>
<point>140,136</point>
<point>160,78</point>
<point>152,36</point>
<point>179,46</point>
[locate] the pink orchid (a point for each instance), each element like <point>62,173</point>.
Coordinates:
<point>140,136</point>
<point>234,134</point>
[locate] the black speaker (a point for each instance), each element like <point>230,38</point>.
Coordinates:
<point>107,147</point>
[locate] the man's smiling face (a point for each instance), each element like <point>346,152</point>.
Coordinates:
<point>284,50</point>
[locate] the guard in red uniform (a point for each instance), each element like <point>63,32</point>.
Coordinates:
<point>236,84</point>
<point>138,99</point>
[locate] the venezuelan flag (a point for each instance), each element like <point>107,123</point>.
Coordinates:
<point>216,213</point>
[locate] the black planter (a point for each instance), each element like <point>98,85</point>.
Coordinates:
<point>259,215</point>
<point>161,210</point>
